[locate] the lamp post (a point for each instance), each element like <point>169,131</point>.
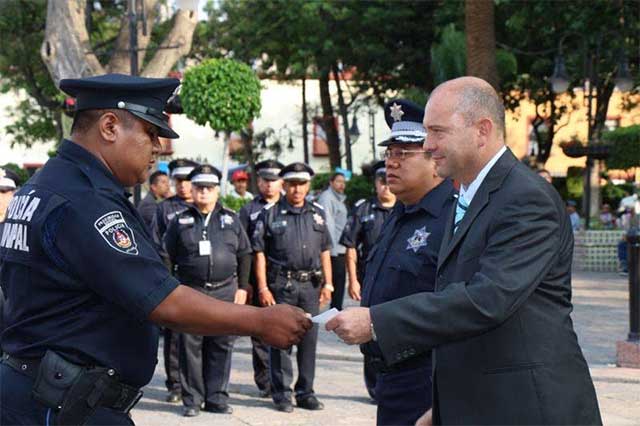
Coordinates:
<point>354,131</point>
<point>560,83</point>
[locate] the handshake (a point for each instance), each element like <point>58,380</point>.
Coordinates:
<point>284,325</point>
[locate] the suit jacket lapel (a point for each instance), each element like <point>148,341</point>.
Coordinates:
<point>491,182</point>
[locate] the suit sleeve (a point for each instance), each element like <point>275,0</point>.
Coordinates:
<point>521,248</point>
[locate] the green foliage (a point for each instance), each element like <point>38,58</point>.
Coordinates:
<point>449,56</point>
<point>357,188</point>
<point>233,203</point>
<point>320,181</point>
<point>23,175</point>
<point>625,147</point>
<point>612,194</point>
<point>575,184</point>
<point>223,93</point>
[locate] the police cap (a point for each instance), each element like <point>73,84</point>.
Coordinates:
<point>269,169</point>
<point>205,175</point>
<point>379,169</point>
<point>8,180</point>
<point>404,118</point>
<point>181,167</point>
<point>143,97</point>
<point>297,171</point>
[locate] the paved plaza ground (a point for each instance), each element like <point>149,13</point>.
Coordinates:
<point>600,318</point>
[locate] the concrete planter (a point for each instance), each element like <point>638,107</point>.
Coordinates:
<point>596,250</point>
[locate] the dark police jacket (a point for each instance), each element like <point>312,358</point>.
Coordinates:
<point>405,258</point>
<point>79,270</point>
<point>363,227</point>
<point>166,211</point>
<point>499,321</point>
<point>224,232</point>
<point>249,213</point>
<point>292,237</point>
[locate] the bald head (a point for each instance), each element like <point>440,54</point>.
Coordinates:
<point>475,99</point>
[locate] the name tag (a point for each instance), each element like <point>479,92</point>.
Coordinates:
<point>204,248</point>
<point>186,220</point>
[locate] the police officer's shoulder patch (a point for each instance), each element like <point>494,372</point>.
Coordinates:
<point>229,211</point>
<point>117,233</point>
<point>359,202</point>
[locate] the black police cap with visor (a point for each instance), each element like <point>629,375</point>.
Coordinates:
<point>269,169</point>
<point>404,118</point>
<point>181,167</point>
<point>205,175</point>
<point>297,172</point>
<point>146,98</point>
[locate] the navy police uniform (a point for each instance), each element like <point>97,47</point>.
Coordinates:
<point>268,170</point>
<point>165,212</point>
<point>361,233</point>
<point>207,251</point>
<point>8,184</point>
<point>292,239</point>
<point>403,262</point>
<point>81,276</point>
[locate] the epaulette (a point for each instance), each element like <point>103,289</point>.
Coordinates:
<point>359,202</point>
<point>228,210</point>
<point>318,205</point>
<point>268,206</point>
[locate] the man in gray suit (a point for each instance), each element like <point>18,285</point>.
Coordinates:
<point>499,324</point>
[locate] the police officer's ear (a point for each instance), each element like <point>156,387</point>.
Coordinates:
<point>107,126</point>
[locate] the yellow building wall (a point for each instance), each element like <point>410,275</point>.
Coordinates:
<point>518,126</point>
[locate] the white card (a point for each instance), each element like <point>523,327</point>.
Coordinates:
<point>204,248</point>
<point>324,317</point>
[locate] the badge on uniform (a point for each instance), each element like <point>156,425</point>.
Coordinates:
<point>117,233</point>
<point>418,239</point>
<point>226,219</point>
<point>186,220</point>
<point>318,219</point>
<point>204,248</point>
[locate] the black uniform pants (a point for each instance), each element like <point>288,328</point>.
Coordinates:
<point>17,407</point>
<point>260,355</point>
<point>171,359</point>
<point>403,396</point>
<point>205,361</point>
<point>305,296</point>
<point>339,276</point>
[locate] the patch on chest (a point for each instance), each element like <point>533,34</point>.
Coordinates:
<point>186,220</point>
<point>418,239</point>
<point>318,219</point>
<point>226,219</point>
<point>117,233</point>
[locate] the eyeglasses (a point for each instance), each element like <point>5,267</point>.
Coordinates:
<point>201,188</point>
<point>400,154</point>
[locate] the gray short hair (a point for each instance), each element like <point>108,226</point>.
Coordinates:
<point>477,101</point>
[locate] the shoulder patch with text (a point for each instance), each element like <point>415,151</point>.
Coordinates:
<point>117,233</point>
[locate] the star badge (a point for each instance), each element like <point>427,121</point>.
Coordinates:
<point>396,112</point>
<point>418,239</point>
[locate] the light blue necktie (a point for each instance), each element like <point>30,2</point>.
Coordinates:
<point>461,209</point>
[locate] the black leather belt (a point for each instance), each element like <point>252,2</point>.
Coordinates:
<point>302,276</point>
<point>379,366</point>
<point>116,396</point>
<point>212,286</point>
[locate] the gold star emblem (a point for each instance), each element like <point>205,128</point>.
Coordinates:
<point>396,112</point>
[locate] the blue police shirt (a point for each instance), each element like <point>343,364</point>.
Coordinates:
<point>249,213</point>
<point>405,258</point>
<point>80,271</point>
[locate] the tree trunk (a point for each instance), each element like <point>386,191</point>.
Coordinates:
<point>66,49</point>
<point>328,121</point>
<point>345,118</point>
<point>225,164</point>
<point>481,40</point>
<point>120,61</point>
<point>247,142</point>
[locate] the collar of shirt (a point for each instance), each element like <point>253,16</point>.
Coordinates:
<point>432,202</point>
<point>469,192</point>
<point>97,172</point>
<point>216,209</point>
<point>339,196</point>
<point>376,204</point>
<point>284,205</point>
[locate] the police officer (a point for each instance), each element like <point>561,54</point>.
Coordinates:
<point>8,185</point>
<point>179,170</point>
<point>359,236</point>
<point>404,259</point>
<point>292,243</point>
<point>270,187</point>
<point>211,253</point>
<point>82,278</point>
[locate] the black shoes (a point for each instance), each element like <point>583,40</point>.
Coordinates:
<point>265,393</point>
<point>191,411</point>
<point>285,406</point>
<point>218,408</point>
<point>174,397</point>
<point>310,403</point>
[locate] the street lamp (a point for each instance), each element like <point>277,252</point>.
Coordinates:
<point>560,83</point>
<point>354,131</point>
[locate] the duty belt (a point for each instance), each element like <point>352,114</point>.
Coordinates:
<point>379,366</point>
<point>215,285</point>
<point>302,276</point>
<point>117,396</point>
